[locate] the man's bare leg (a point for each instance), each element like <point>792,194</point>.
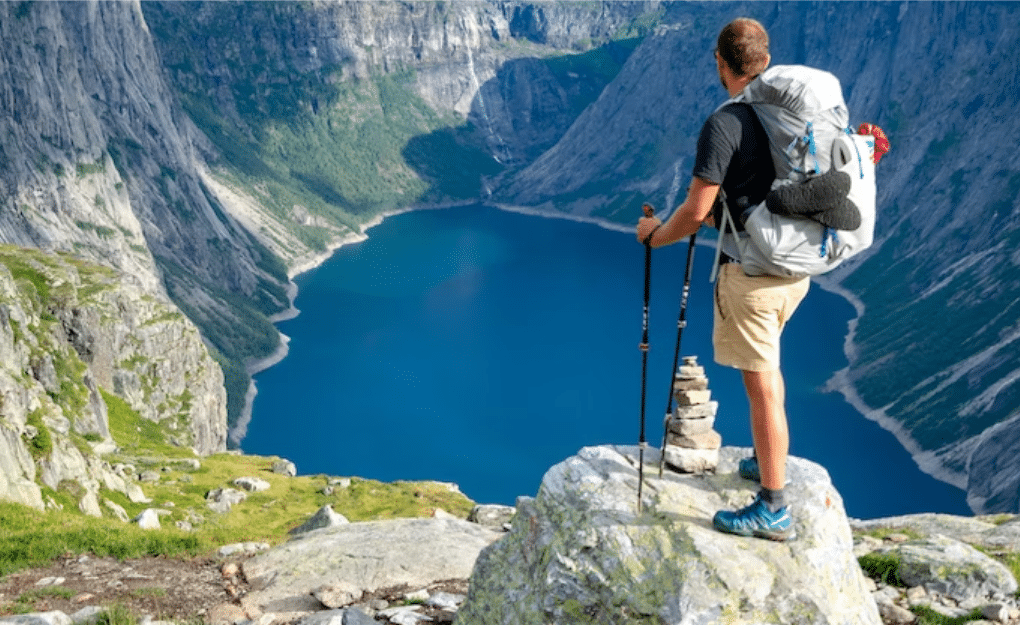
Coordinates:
<point>767,395</point>
<point>767,516</point>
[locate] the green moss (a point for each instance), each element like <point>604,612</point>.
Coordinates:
<point>40,445</point>
<point>927,616</point>
<point>883,567</point>
<point>86,169</point>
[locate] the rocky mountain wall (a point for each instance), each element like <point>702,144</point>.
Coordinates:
<point>71,335</point>
<point>579,108</point>
<point>99,159</point>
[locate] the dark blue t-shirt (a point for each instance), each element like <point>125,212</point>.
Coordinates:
<point>733,150</point>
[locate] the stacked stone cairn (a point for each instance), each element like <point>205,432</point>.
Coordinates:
<point>692,444</point>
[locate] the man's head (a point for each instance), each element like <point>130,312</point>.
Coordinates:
<point>743,45</point>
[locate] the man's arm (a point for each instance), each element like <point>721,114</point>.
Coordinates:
<point>685,220</point>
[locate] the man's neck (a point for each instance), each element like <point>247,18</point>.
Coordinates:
<point>736,84</point>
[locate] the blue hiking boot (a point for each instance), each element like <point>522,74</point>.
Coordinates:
<point>756,520</point>
<point>748,469</point>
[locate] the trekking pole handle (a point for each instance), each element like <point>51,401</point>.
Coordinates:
<point>648,209</point>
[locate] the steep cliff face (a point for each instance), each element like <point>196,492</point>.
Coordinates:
<point>70,332</point>
<point>99,159</point>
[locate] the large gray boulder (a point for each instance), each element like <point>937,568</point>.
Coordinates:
<point>949,567</point>
<point>363,558</point>
<point>580,552</point>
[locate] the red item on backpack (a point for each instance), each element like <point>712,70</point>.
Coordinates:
<point>881,141</point>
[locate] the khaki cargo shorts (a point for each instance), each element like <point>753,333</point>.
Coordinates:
<point>750,313</point>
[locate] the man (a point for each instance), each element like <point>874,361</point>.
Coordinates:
<point>750,312</point>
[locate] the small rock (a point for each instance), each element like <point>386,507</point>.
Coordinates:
<point>91,614</point>
<point>688,371</point>
<point>418,595</point>
<point>893,614</point>
<point>337,595</point>
<point>252,484</point>
<point>691,460</point>
<point>56,617</point>
<point>118,511</point>
<point>222,499</point>
<point>491,515</point>
<point>404,615</point>
<point>887,594</point>
<point>916,595</point>
<point>230,569</point>
<point>50,581</point>
<point>378,605</point>
<point>999,612</point>
<point>148,519</point>
<point>148,476</point>
<point>445,601</point>
<point>225,614</point>
<point>325,517</point>
<point>354,616</point>
<point>285,467</point>
<point>692,398</point>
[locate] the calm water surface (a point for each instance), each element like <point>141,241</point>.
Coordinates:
<point>481,347</point>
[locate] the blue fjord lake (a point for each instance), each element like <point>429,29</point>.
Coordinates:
<point>481,347</point>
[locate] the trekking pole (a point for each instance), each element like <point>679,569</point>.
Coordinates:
<point>642,443</point>
<point>681,323</point>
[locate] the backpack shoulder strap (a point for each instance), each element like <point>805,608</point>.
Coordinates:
<point>726,226</point>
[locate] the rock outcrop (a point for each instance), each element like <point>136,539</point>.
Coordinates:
<point>70,332</point>
<point>579,552</point>
<point>410,571</point>
<point>358,559</point>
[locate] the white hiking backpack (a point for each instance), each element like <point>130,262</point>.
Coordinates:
<point>806,119</point>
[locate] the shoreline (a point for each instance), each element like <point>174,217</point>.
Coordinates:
<point>927,461</point>
<point>237,432</point>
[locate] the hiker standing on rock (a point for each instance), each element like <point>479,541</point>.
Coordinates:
<point>750,311</point>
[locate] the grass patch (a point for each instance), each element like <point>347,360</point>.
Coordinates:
<point>927,616</point>
<point>883,567</point>
<point>32,538</point>
<point>26,601</point>
<point>136,435</point>
<point>41,445</point>
<point>117,614</point>
<point>29,537</point>
<point>883,533</point>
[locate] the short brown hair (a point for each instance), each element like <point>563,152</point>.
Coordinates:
<point>743,45</point>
